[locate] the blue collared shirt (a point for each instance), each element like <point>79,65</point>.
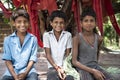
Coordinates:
<point>20,55</point>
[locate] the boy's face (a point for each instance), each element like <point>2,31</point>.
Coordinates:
<point>58,24</point>
<point>88,23</point>
<point>21,24</point>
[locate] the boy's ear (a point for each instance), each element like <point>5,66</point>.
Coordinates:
<point>80,23</point>
<point>96,24</point>
<point>51,23</point>
<point>12,23</point>
<point>29,24</point>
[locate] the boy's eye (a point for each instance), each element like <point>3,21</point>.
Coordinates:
<point>91,20</point>
<point>56,22</point>
<point>60,23</point>
<point>19,22</point>
<point>86,20</point>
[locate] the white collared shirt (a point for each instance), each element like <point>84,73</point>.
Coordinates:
<point>57,47</point>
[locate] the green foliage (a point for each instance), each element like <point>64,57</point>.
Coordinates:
<point>9,4</point>
<point>118,1</point>
<point>5,20</point>
<point>109,33</point>
<point>111,38</point>
<point>113,70</point>
<point>118,18</point>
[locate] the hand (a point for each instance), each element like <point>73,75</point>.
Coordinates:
<point>17,79</point>
<point>63,76</point>
<point>61,73</point>
<point>98,75</point>
<point>22,76</point>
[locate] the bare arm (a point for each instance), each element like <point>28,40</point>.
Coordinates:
<point>46,43</point>
<point>11,69</point>
<point>22,76</point>
<point>49,57</point>
<point>100,40</point>
<point>67,52</point>
<point>96,73</point>
<point>30,64</point>
<point>75,62</point>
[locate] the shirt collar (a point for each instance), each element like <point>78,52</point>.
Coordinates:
<point>52,32</point>
<point>14,34</point>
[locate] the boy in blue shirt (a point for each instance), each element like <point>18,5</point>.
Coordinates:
<point>20,50</point>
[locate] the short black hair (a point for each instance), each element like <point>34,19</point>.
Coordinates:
<point>58,13</point>
<point>88,11</point>
<point>19,12</point>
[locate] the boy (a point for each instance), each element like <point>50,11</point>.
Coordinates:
<point>85,51</point>
<point>57,44</point>
<point>20,50</point>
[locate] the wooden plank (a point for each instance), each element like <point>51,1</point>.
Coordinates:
<point>109,59</point>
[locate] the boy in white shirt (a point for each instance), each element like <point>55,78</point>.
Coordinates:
<point>57,44</point>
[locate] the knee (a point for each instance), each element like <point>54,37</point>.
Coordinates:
<point>52,77</point>
<point>69,77</point>
<point>33,76</point>
<point>6,77</point>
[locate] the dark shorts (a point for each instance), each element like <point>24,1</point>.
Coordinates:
<point>32,76</point>
<point>53,75</point>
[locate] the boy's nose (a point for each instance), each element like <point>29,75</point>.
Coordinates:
<point>59,24</point>
<point>89,22</point>
<point>22,23</point>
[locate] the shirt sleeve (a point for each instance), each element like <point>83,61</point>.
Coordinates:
<point>6,49</point>
<point>69,41</point>
<point>33,56</point>
<point>46,42</point>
